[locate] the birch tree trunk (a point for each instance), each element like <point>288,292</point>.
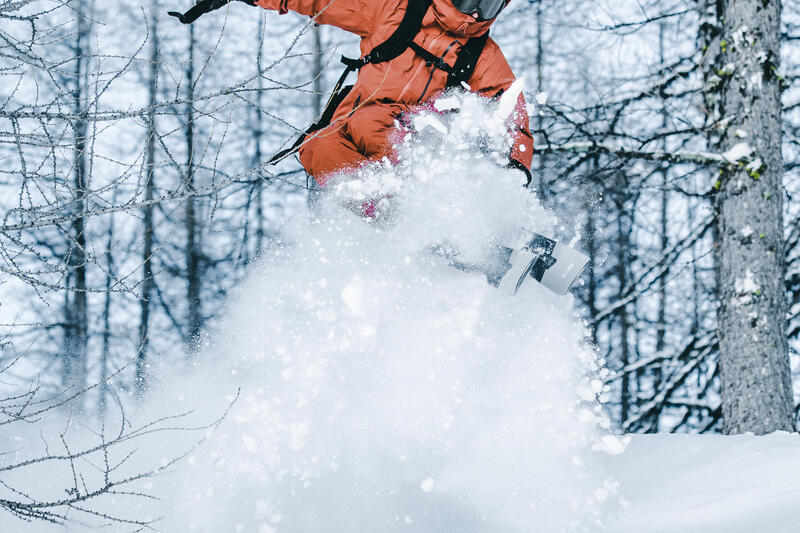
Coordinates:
<point>743,95</point>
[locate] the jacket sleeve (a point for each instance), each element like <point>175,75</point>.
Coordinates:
<point>355,16</point>
<point>522,150</point>
<point>491,78</point>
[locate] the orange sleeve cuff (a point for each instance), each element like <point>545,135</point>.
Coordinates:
<point>522,150</point>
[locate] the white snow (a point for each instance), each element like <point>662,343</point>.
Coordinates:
<point>447,103</point>
<point>613,445</point>
<point>737,152</point>
<point>429,121</point>
<point>747,284</point>
<point>755,164</point>
<point>708,484</point>
<point>508,101</point>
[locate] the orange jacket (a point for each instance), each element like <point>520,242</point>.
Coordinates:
<point>407,80</point>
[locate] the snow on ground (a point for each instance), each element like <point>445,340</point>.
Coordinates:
<point>708,484</point>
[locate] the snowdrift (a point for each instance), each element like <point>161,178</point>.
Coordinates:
<point>707,484</point>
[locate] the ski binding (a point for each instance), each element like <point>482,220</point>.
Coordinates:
<point>554,265</point>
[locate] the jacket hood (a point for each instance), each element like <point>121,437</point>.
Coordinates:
<point>456,22</point>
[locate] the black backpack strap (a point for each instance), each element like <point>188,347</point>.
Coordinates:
<point>391,48</point>
<point>397,43</point>
<point>340,91</point>
<point>466,61</point>
<point>430,58</point>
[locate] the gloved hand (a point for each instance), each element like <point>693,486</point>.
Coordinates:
<point>202,7</point>
<point>513,163</point>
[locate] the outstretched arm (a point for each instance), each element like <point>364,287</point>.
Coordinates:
<point>355,16</point>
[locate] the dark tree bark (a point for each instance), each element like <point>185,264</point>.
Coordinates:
<point>744,97</point>
<point>76,330</point>
<point>591,240</point>
<point>622,244</point>
<point>192,251</point>
<point>106,350</point>
<point>257,134</point>
<point>543,191</point>
<point>147,211</point>
<point>313,192</point>
<point>661,318</point>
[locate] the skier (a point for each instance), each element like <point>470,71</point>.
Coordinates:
<point>412,50</point>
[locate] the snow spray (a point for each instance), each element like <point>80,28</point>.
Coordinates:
<point>376,388</point>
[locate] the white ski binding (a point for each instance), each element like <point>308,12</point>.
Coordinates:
<point>554,265</point>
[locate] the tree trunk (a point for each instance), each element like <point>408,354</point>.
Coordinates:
<point>661,319</point>
<point>313,192</point>
<point>317,70</point>
<point>194,312</point>
<point>259,131</point>
<point>106,350</point>
<point>544,193</point>
<point>76,332</point>
<point>147,211</point>
<point>744,97</point>
<point>623,240</point>
<point>590,238</point>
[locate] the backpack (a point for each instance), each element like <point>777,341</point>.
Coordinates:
<point>394,46</point>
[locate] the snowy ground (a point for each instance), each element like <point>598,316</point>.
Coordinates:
<point>708,484</point>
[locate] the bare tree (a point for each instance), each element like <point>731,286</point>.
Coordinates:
<point>148,231</point>
<point>97,468</point>
<point>193,239</point>
<point>76,311</point>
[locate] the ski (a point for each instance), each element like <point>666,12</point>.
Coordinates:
<point>554,265</point>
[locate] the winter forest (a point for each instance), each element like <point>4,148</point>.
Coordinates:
<point>193,338</point>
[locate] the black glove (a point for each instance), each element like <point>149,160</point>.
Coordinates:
<point>202,7</point>
<point>513,163</point>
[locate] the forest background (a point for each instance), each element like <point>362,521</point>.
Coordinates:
<point>135,192</point>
